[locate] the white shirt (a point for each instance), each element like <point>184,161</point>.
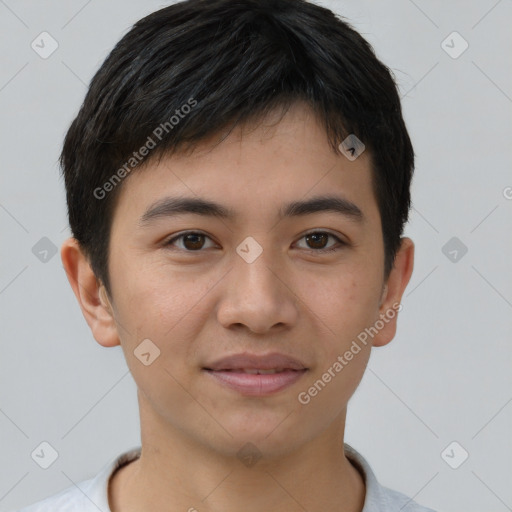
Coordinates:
<point>92,495</point>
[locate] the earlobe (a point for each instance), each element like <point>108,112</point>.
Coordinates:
<point>393,291</point>
<point>90,293</point>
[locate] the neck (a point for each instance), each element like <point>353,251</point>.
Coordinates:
<point>175,472</point>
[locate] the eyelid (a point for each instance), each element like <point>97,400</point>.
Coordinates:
<point>324,231</point>
<point>340,241</point>
<point>169,241</point>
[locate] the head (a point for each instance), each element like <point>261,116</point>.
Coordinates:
<point>242,107</point>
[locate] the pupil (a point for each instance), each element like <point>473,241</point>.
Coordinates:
<point>314,237</point>
<point>195,244</point>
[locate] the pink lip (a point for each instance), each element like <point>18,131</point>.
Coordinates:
<point>256,362</point>
<point>257,384</point>
<point>228,371</point>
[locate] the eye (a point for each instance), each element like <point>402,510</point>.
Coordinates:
<point>194,241</point>
<point>317,241</point>
<point>191,241</point>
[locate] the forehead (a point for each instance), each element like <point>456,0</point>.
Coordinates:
<point>255,170</point>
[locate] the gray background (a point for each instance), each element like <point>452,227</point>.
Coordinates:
<point>446,377</point>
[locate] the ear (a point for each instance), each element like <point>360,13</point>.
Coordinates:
<point>393,291</point>
<point>90,293</point>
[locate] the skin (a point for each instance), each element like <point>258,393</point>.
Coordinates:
<point>198,306</point>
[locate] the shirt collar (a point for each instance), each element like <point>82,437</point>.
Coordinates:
<point>97,490</point>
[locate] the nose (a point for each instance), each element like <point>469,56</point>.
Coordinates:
<point>256,296</point>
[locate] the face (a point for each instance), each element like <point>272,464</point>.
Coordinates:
<point>251,277</point>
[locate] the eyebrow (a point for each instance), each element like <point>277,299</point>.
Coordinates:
<point>172,206</point>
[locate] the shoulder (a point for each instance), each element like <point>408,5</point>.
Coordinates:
<point>68,500</point>
<point>394,500</point>
<point>87,496</point>
<point>379,498</point>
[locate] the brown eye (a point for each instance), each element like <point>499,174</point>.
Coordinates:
<point>191,241</point>
<point>317,241</point>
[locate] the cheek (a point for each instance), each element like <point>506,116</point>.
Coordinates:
<point>169,314</point>
<point>344,304</point>
<point>345,307</point>
<point>169,308</point>
<point>148,304</point>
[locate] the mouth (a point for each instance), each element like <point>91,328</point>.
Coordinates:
<point>256,382</point>
<point>253,375</point>
<point>253,371</point>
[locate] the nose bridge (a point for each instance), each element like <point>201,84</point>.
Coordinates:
<point>253,269</point>
<point>256,297</point>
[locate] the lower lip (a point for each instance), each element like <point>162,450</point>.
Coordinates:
<point>257,384</point>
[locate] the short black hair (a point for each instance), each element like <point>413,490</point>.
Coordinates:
<point>190,70</point>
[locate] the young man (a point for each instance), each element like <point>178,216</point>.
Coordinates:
<point>237,184</point>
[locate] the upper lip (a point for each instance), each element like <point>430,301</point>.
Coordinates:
<point>256,362</point>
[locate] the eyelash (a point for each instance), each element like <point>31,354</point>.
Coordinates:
<point>337,247</point>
